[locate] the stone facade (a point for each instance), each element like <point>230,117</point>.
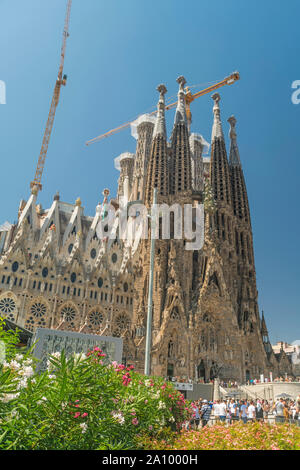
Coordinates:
<point>56,272</point>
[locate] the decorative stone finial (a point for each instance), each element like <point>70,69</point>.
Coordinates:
<point>162,89</point>
<point>78,202</point>
<point>182,81</point>
<point>56,196</point>
<point>234,155</point>
<point>216,97</point>
<point>106,192</point>
<point>160,125</point>
<point>232,122</point>
<point>180,114</point>
<point>217,126</point>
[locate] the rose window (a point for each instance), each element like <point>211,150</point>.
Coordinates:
<point>68,313</point>
<point>38,309</point>
<point>96,318</point>
<point>7,305</point>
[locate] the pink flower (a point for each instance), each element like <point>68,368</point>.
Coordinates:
<point>84,415</point>
<point>135,421</point>
<point>77,414</point>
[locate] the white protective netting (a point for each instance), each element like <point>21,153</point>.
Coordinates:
<point>203,142</point>
<point>121,157</point>
<point>5,227</point>
<point>143,118</point>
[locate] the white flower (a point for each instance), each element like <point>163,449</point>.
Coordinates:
<point>8,397</point>
<point>26,371</point>
<point>161,405</point>
<point>27,362</point>
<point>118,416</point>
<point>80,356</point>
<point>147,382</point>
<point>172,419</point>
<point>22,383</point>
<point>52,377</point>
<point>39,402</point>
<point>56,355</point>
<point>14,365</point>
<point>19,357</point>
<point>83,427</point>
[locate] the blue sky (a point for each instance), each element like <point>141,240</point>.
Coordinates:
<point>117,53</point>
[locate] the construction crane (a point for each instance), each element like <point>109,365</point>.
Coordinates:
<point>189,97</point>
<point>61,80</point>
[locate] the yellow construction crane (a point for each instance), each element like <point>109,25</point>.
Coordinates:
<point>189,97</point>
<point>61,80</point>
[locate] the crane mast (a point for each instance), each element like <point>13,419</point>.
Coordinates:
<point>61,80</point>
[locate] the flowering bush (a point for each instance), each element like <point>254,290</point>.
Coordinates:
<point>238,436</point>
<point>82,403</point>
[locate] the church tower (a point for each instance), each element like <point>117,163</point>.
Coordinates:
<point>180,161</point>
<point>157,172</point>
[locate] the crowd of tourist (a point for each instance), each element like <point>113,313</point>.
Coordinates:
<point>229,411</point>
<point>288,379</point>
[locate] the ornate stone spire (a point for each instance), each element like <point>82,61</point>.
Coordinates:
<point>234,156</point>
<point>180,161</point>
<point>180,114</point>
<point>157,175</point>
<point>160,124</point>
<point>217,126</point>
<point>219,168</point>
<point>238,185</point>
<point>263,329</point>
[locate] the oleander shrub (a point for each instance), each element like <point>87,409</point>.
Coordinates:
<point>81,402</point>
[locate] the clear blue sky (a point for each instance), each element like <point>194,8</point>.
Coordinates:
<point>117,53</point>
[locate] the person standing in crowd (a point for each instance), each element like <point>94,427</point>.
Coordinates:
<point>196,415</point>
<point>251,412</point>
<point>232,409</point>
<point>216,410</point>
<point>286,413</point>
<point>278,407</point>
<point>205,413</point>
<point>259,411</point>
<point>244,409</point>
<point>266,409</point>
<point>223,411</point>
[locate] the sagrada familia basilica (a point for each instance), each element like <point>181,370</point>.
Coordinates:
<point>56,272</point>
